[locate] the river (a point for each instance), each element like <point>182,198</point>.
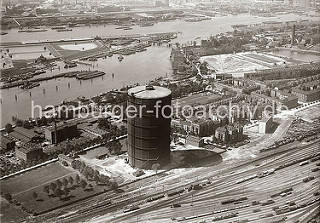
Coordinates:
<point>137,68</point>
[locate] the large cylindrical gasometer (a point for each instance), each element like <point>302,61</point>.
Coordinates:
<point>148,126</point>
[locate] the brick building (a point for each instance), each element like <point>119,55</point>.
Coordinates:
<point>308,92</point>
<point>200,127</point>
<point>230,133</point>
<point>283,99</point>
<point>61,133</point>
<point>29,151</point>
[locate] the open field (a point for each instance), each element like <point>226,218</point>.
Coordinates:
<point>96,152</point>
<point>66,49</point>
<point>23,186</point>
<point>29,52</point>
<point>46,203</point>
<point>309,113</point>
<point>34,178</point>
<point>199,99</point>
<point>264,58</point>
<point>80,46</point>
<point>16,214</point>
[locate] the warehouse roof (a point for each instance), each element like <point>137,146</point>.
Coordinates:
<point>23,134</point>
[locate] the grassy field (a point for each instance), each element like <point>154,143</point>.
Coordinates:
<point>94,153</point>
<point>71,48</point>
<point>34,178</point>
<point>47,203</point>
<point>22,187</point>
<point>15,212</point>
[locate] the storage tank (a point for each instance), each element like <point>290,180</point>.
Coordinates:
<point>149,129</point>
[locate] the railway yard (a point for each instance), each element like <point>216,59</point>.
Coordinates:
<point>270,188</point>
<point>278,185</point>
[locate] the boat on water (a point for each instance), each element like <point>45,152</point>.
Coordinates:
<point>120,58</point>
<point>90,75</point>
<point>197,19</point>
<point>71,74</point>
<point>58,27</point>
<point>29,85</point>
<point>144,24</point>
<point>63,30</point>
<point>193,20</point>
<point>141,49</point>
<point>39,72</point>
<point>32,30</point>
<point>70,65</point>
<point>124,27</point>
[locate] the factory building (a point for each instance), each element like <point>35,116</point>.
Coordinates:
<point>29,151</point>
<point>60,133</point>
<point>149,128</point>
<point>25,135</point>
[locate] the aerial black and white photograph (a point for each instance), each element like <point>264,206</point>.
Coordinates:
<point>159,111</point>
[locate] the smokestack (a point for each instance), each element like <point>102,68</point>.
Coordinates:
<point>293,34</point>
<point>55,132</point>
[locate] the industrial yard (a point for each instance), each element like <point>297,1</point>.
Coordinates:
<point>239,63</point>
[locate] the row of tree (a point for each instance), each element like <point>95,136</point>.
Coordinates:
<point>90,174</point>
<point>43,121</point>
<point>181,90</point>
<point>62,187</point>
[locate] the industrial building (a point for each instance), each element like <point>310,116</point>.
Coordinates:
<point>7,144</point>
<point>25,135</point>
<point>149,130</point>
<point>60,133</point>
<point>29,151</point>
<point>265,124</point>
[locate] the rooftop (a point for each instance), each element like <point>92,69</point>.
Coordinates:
<point>61,126</point>
<point>23,134</point>
<point>28,147</point>
<point>149,92</point>
<point>5,140</point>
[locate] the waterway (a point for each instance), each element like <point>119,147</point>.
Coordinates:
<point>137,68</point>
<point>297,55</point>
